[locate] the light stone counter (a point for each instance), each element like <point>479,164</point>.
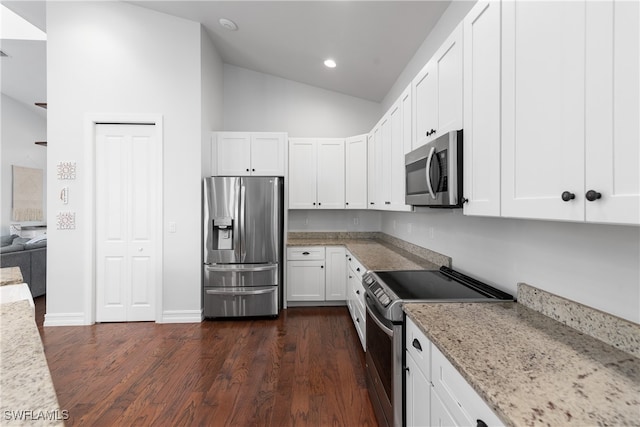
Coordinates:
<point>534,370</point>
<point>376,251</point>
<point>27,396</point>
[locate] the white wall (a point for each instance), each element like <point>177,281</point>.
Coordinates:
<point>212,83</point>
<point>597,265</point>
<point>334,220</point>
<point>112,57</point>
<point>255,101</point>
<point>20,128</point>
<point>457,10</point>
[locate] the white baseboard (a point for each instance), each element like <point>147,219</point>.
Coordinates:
<point>182,316</point>
<point>64,319</point>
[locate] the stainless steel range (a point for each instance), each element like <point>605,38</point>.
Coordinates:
<point>386,293</point>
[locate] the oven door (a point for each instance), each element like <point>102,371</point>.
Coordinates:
<point>434,173</point>
<point>384,366</point>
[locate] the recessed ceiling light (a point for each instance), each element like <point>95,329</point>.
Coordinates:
<point>330,63</point>
<point>228,24</point>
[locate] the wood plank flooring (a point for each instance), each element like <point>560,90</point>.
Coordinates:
<point>305,368</point>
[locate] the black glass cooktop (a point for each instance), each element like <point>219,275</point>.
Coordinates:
<point>437,285</point>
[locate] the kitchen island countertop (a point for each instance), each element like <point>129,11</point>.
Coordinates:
<point>531,369</point>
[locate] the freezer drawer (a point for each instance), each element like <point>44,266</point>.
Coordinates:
<point>240,275</point>
<point>241,302</point>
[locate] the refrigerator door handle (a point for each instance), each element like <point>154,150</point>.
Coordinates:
<point>241,291</point>
<point>241,267</point>
<point>243,209</point>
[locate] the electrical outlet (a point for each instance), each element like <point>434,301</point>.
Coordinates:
<point>172,227</point>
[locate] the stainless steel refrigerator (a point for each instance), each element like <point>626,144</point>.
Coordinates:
<point>243,246</point>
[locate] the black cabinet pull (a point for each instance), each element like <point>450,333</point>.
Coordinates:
<point>349,258</point>
<point>319,203</point>
<point>592,195</point>
<point>566,196</point>
<point>314,203</point>
<point>387,203</point>
<point>350,277</point>
<point>346,203</point>
<point>358,292</point>
<point>305,253</point>
<point>480,423</point>
<point>253,170</point>
<point>247,169</point>
<point>416,344</point>
<point>371,203</point>
<point>322,266</point>
<point>464,200</point>
<point>358,319</point>
<point>358,269</point>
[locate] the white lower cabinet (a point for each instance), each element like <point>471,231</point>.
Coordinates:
<point>316,273</point>
<point>355,296</point>
<point>436,393</point>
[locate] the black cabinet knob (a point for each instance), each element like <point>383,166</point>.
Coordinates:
<point>247,169</point>
<point>322,266</point>
<point>464,200</point>
<point>387,203</point>
<point>567,196</point>
<point>592,195</point>
<point>358,292</point>
<point>314,203</point>
<point>253,170</point>
<point>358,269</point>
<point>346,203</point>
<point>319,203</point>
<point>480,423</point>
<point>371,203</point>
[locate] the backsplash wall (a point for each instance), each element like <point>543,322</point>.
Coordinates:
<point>334,220</point>
<point>596,265</point>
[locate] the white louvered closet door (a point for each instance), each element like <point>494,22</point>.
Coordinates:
<point>126,221</point>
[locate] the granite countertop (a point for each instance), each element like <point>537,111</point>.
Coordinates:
<point>27,396</point>
<point>375,251</point>
<point>533,370</point>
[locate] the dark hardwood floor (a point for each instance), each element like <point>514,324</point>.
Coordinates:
<point>305,368</point>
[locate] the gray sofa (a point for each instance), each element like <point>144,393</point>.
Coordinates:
<point>30,257</point>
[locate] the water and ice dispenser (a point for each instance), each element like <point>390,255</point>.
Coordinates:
<point>222,233</point>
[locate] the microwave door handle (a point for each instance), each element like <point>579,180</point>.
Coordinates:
<point>428,172</point>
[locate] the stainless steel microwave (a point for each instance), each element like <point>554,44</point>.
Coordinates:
<point>434,173</point>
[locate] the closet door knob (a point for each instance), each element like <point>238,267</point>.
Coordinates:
<point>592,195</point>
<point>566,196</point>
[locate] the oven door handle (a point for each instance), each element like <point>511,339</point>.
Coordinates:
<point>372,310</point>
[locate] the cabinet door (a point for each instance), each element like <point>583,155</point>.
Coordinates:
<point>481,139</point>
<point>400,118</point>
<point>543,120</point>
<point>305,280</point>
<point>356,172</point>
<point>448,62</point>
<point>336,273</point>
<point>233,153</point>
<point>612,124</point>
<point>372,168</point>
<point>418,393</point>
<point>386,144</point>
<point>330,174</point>
<point>439,414</point>
<point>302,173</point>
<point>424,93</point>
<point>268,154</point>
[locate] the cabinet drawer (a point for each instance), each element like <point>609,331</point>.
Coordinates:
<point>418,346</point>
<point>457,395</point>
<point>356,266</point>
<point>358,293</point>
<point>305,253</point>
<point>359,321</point>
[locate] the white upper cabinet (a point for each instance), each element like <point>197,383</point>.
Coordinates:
<point>570,125</point>
<point>390,140</point>
<point>316,173</point>
<point>356,172</point>
<point>268,155</point>
<point>481,136</point>
<point>302,173</point>
<point>543,119</point>
<point>437,92</point>
<point>330,182</point>
<point>613,112</point>
<point>247,153</point>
